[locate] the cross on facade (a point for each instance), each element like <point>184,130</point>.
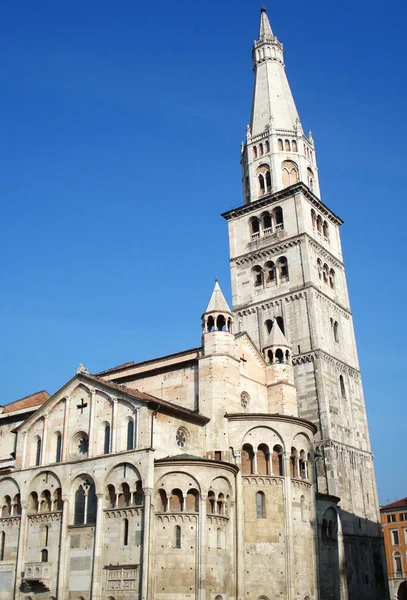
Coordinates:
<point>81,406</point>
<point>242,358</point>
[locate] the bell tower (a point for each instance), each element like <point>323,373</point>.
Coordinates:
<point>287,268</point>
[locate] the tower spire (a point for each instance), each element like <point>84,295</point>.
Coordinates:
<point>277,153</point>
<point>265,28</point>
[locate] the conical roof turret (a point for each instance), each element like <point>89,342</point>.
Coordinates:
<point>276,338</point>
<point>217,302</point>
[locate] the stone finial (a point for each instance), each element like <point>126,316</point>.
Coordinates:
<point>81,369</point>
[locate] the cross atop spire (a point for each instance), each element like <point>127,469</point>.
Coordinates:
<point>266,33</point>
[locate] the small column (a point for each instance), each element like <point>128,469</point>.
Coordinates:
<point>288,527</point>
<point>239,582</point>
<point>43,458</point>
<point>63,544</point>
<point>22,544</point>
<point>65,432</point>
<point>201,567</point>
<point>254,463</point>
<point>114,422</point>
<point>98,552</point>
<point>24,458</point>
<point>146,543</point>
<point>92,419</point>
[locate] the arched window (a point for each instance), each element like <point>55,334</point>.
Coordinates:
<point>270,272</point>
<point>277,461</point>
<point>125,532</point>
<point>264,179</point>
<point>269,325</point>
<point>280,144</point>
<point>336,331</point>
<point>263,460</point>
<point>294,144</point>
<point>325,273</point>
<point>221,323</point>
<point>268,181</point>
<point>254,151</point>
<point>325,229</point>
<point>267,146</point>
<point>262,186</point>
<point>270,357</point>
<point>278,219</point>
<point>303,508</point>
<point>45,505</point>
<point>221,504</point>
<point>130,434</point>
<point>303,465</point>
<point>192,501</point>
<point>260,505</point>
<point>85,504</point>
<point>177,536</point>
<point>2,545</point>
<point>290,173</point>
<point>32,503</point>
<point>319,224</point>
<point>176,501</point>
<point>258,276</point>
<point>267,225</point>
<point>282,265</point>
<point>106,440</point>
<point>162,501</point>
<point>124,495</point>
<point>310,178</point>
<point>37,451</point>
<point>211,503</point>
<point>280,323</point>
<point>58,448</point>
<point>293,463</point>
<point>111,496</point>
<point>332,279</point>
<point>6,507</point>
<point>261,150</point>
<point>247,460</point>
<point>17,505</point>
<point>279,356</point>
<point>44,555</point>
<point>313,218</point>
<point>287,145</point>
<point>319,267</point>
<point>255,227</point>
<point>342,386</point>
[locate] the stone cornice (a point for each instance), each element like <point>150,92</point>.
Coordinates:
<point>281,245</point>
<point>282,195</point>
<point>295,294</point>
<point>351,451</point>
<point>301,359</point>
<point>274,417</point>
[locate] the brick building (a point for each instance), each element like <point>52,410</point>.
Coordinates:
<point>394,523</point>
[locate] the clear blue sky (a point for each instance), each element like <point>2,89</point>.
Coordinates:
<point>121,125</point>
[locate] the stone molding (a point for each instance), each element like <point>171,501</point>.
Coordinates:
<point>45,517</point>
<point>333,305</point>
<point>300,484</point>
<point>177,517</point>
<point>345,452</point>
<point>123,512</point>
<point>320,354</point>
<point>217,519</point>
<point>254,256</point>
<point>262,480</point>
<point>8,521</point>
<point>270,304</point>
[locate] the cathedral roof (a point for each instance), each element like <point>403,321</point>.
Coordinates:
<point>217,302</point>
<point>30,401</point>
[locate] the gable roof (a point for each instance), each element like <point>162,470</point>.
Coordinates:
<point>30,401</point>
<point>152,401</point>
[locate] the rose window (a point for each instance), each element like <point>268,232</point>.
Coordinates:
<point>182,438</point>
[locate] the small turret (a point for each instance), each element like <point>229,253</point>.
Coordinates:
<point>217,316</point>
<point>281,390</point>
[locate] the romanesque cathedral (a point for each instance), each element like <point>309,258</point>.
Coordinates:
<point>237,470</point>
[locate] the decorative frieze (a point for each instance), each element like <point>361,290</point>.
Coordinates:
<point>45,517</point>
<point>122,577</point>
<point>9,521</point>
<point>263,480</point>
<point>177,518</point>
<point>119,513</point>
